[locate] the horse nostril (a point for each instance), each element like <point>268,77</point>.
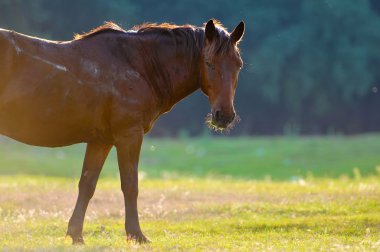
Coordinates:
<point>218,115</point>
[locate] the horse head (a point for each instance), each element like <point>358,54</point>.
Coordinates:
<point>220,67</point>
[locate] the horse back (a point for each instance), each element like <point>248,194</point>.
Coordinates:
<point>44,99</point>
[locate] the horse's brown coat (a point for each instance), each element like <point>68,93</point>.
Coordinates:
<point>106,88</point>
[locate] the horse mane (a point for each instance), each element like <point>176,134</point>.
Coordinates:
<point>186,40</point>
<point>154,26</point>
<point>221,45</point>
<point>190,32</point>
<point>106,27</point>
<point>168,26</point>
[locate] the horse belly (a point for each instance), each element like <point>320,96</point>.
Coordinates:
<point>52,114</point>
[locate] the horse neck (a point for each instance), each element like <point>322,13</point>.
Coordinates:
<point>179,70</point>
<point>186,76</point>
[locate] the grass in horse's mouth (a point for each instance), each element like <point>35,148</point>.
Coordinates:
<point>216,128</point>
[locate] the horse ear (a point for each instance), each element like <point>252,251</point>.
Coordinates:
<point>238,33</point>
<point>210,30</point>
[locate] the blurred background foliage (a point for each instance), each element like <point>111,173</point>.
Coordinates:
<point>311,67</point>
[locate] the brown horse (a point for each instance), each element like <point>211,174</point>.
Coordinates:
<point>107,88</point>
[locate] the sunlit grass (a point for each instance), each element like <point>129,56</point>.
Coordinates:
<point>197,214</point>
<point>206,194</point>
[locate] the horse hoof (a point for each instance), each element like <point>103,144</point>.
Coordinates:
<point>138,238</point>
<point>77,239</point>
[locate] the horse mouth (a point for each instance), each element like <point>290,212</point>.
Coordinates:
<point>221,126</point>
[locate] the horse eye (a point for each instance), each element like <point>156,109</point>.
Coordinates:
<point>210,65</point>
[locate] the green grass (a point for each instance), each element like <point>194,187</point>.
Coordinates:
<point>208,194</point>
<point>197,214</point>
<point>279,158</point>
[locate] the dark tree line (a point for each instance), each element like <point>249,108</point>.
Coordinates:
<point>311,67</point>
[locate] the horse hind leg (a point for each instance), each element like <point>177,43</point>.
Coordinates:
<point>95,157</point>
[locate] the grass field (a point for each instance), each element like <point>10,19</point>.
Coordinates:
<point>247,194</point>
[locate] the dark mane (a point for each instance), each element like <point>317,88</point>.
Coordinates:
<point>189,36</point>
<point>186,40</point>
<point>192,33</point>
<point>106,27</point>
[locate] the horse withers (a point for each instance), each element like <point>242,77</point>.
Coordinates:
<point>107,88</point>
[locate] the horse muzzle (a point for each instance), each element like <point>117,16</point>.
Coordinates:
<point>222,119</point>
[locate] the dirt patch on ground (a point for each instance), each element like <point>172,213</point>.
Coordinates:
<point>109,203</point>
<point>33,201</point>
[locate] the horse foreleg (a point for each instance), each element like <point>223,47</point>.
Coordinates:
<point>128,152</point>
<point>94,159</point>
